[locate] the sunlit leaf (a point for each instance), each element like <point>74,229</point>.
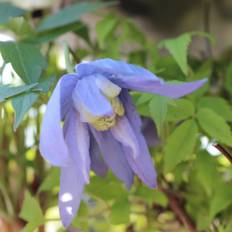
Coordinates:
<point>26,60</point>
<point>178,47</point>
<point>31,212</point>
<point>215,126</point>
<point>181,109</point>
<point>219,105</point>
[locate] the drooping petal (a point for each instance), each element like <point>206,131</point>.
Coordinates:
<point>137,78</point>
<point>142,164</point>
<point>68,83</point>
<point>114,156</point>
<point>170,89</point>
<point>97,163</point>
<point>88,99</point>
<point>78,142</point>
<point>124,133</point>
<point>52,144</point>
<point>124,74</point>
<point>71,188</point>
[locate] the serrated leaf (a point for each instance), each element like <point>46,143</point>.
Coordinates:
<point>21,105</point>
<point>105,27</point>
<point>70,14</point>
<point>8,11</point>
<point>214,125</point>
<point>180,144</point>
<point>158,110</point>
<point>52,180</point>
<point>218,105</point>
<point>178,48</point>
<point>26,60</point>
<point>7,91</point>
<point>181,109</point>
<point>120,212</point>
<point>31,211</point>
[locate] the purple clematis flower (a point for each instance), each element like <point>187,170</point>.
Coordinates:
<point>101,127</point>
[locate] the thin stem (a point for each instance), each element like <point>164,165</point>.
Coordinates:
<point>8,203</point>
<point>224,152</point>
<point>178,209</point>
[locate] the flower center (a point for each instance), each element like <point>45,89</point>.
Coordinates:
<point>106,122</point>
<point>106,93</point>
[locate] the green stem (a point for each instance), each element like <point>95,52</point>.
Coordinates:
<point>9,205</point>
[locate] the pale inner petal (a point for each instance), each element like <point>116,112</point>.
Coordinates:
<point>108,88</point>
<point>96,99</point>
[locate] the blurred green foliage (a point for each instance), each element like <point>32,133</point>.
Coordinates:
<point>189,176</point>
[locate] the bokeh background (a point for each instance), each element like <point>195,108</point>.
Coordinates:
<point>177,40</point>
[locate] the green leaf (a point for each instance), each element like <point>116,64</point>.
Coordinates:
<point>45,84</point>
<point>83,32</point>
<point>105,27</point>
<point>181,109</point>
<point>180,144</point>
<point>228,77</point>
<point>144,98</point>
<point>158,110</point>
<point>8,11</point>
<point>218,105</point>
<point>31,212</point>
<point>7,91</point>
<point>206,171</point>
<point>26,60</point>
<point>116,189</point>
<point>147,195</point>
<point>52,180</point>
<point>21,27</point>
<point>70,14</point>
<point>221,199</point>
<point>178,48</point>
<point>132,33</point>
<point>160,198</point>
<point>120,212</point>
<point>21,105</point>
<point>214,125</point>
<point>50,35</point>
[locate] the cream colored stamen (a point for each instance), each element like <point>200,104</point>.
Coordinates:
<point>104,123</point>
<point>117,106</point>
<point>111,92</point>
